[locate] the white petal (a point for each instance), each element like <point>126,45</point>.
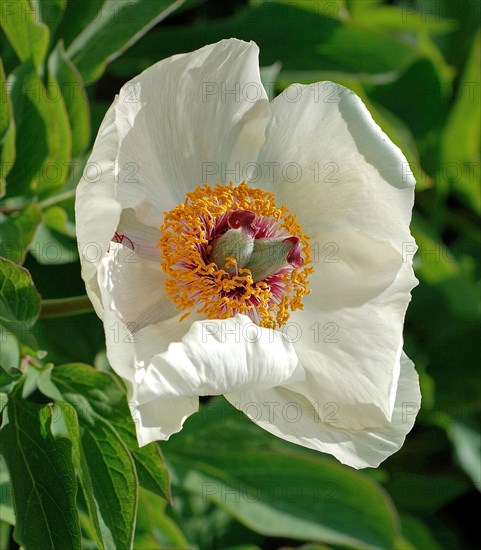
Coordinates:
<point>290,416</point>
<point>97,211</point>
<point>128,352</point>
<point>187,120</point>
<point>351,354</point>
<point>136,288</point>
<point>333,166</point>
<point>159,419</point>
<point>219,356</point>
<point>142,238</point>
<point>172,128</point>
<point>350,268</point>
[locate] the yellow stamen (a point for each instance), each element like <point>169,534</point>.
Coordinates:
<point>193,284</point>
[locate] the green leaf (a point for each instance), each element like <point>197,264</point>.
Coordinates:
<point>43,134</point>
<point>461,141</point>
<point>55,240</point>
<point>50,12</point>
<point>75,97</point>
<point>112,474</point>
<point>329,41</point>
<point>7,132</point>
<point>274,488</point>
<point>28,37</point>
<point>17,231</point>
<point>19,301</point>
<point>102,461</point>
<point>43,479</point>
<point>109,401</point>
<point>78,15</point>
<point>118,25</point>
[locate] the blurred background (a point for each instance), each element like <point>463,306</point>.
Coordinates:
<point>416,65</point>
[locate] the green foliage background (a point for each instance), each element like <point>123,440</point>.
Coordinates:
<point>71,473</point>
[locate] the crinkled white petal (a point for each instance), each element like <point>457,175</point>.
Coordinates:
<point>219,356</point>
<point>331,164</point>
<point>292,417</point>
<point>159,419</point>
<point>351,354</point>
<point>128,352</point>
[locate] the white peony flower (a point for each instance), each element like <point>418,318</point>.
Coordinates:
<point>252,249</point>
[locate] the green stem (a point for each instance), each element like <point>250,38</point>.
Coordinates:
<point>65,307</point>
<point>70,194</point>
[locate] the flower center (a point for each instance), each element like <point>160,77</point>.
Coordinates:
<point>229,250</point>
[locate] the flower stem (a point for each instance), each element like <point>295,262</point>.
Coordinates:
<point>65,307</point>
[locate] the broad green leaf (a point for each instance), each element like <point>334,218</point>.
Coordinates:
<point>28,37</point>
<point>108,400</point>
<point>7,132</point>
<point>460,144</point>
<point>55,240</point>
<point>43,134</point>
<point>118,25</point>
<point>75,97</point>
<point>19,301</point>
<point>67,424</point>
<point>275,489</point>
<point>17,231</point>
<point>42,476</point>
<point>112,474</point>
<point>103,463</point>
<point>329,43</point>
<point>50,12</point>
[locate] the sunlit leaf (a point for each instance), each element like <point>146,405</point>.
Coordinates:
<point>19,301</point>
<point>28,36</point>
<point>75,97</point>
<point>17,231</point>
<point>115,28</point>
<point>43,134</point>
<point>108,400</point>
<point>42,477</point>
<point>461,139</point>
<point>7,132</point>
<point>50,12</point>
